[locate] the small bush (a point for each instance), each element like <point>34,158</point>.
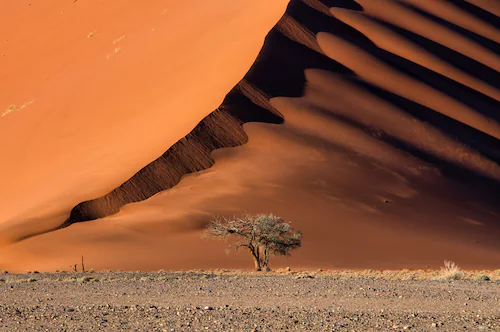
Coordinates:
<point>451,271</point>
<point>87,279</point>
<point>483,277</point>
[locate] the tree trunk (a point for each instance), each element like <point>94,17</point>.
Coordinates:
<point>256,261</point>
<point>265,261</point>
<point>257,264</point>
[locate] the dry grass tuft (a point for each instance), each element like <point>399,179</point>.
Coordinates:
<point>117,40</point>
<point>10,109</point>
<point>483,277</point>
<point>451,271</point>
<point>87,279</point>
<point>13,108</point>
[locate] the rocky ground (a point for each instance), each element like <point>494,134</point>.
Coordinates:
<point>236,301</point>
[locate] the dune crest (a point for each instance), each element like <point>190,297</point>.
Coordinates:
<point>373,125</point>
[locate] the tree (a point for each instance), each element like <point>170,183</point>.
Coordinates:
<point>264,235</point>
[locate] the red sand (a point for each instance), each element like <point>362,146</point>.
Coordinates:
<point>392,166</point>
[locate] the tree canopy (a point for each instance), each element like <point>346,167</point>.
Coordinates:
<point>264,235</point>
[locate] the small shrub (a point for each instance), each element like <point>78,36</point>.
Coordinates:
<point>483,277</point>
<point>32,280</point>
<point>451,271</point>
<point>87,279</point>
<point>166,278</point>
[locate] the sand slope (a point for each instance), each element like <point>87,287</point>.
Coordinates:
<point>94,90</point>
<point>373,126</point>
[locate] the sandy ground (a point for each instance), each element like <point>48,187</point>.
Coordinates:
<point>239,301</point>
<point>383,149</point>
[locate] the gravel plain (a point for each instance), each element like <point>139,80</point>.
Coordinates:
<point>241,301</point>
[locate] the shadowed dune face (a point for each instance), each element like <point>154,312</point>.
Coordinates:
<point>373,125</point>
<point>220,129</point>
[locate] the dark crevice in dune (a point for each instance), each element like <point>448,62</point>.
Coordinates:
<point>475,139</point>
<point>321,22</point>
<point>346,4</point>
<point>485,186</point>
<point>468,65</point>
<point>278,72</point>
<point>480,13</point>
<point>474,99</point>
<point>220,129</point>
<point>323,6</point>
<point>485,42</point>
<point>478,101</point>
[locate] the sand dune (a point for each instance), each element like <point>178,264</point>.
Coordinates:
<point>107,95</point>
<point>373,125</point>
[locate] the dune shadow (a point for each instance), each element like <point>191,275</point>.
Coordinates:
<point>220,129</point>
<point>468,65</point>
<point>346,4</point>
<point>481,187</point>
<point>480,13</point>
<point>320,22</point>
<point>485,42</point>
<point>278,73</point>
<point>475,139</point>
<point>479,102</point>
<point>325,5</point>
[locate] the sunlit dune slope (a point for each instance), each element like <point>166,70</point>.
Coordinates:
<point>373,125</point>
<point>94,90</point>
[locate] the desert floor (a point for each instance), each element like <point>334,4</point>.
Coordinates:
<point>240,301</point>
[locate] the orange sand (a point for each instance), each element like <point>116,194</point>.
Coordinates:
<point>388,156</point>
